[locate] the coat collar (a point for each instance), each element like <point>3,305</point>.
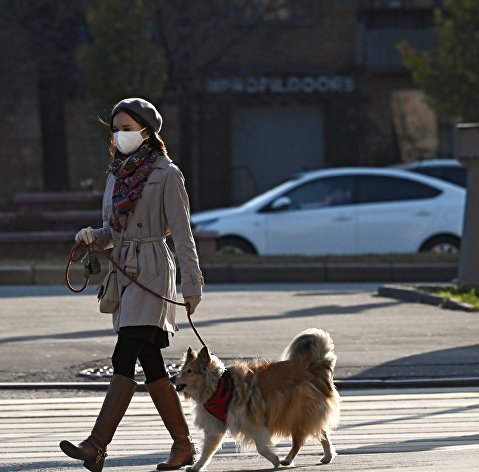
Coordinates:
<point>162,162</point>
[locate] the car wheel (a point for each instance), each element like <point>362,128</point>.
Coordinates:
<point>442,245</point>
<point>234,246</point>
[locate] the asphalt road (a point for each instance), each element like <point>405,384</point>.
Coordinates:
<point>50,334</point>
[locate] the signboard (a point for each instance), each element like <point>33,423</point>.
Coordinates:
<point>308,84</point>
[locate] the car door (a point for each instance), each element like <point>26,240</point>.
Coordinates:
<point>317,217</point>
<point>394,213</point>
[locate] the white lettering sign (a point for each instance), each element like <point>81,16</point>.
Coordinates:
<point>291,84</point>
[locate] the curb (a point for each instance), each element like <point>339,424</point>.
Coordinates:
<point>332,272</point>
<point>345,384</point>
<point>414,295</point>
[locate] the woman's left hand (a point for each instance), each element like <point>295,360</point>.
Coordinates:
<point>193,301</point>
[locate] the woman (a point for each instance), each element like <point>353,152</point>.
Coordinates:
<point>144,201</point>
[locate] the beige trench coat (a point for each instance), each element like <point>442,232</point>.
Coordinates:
<point>162,209</point>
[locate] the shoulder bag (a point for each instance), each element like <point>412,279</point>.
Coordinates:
<point>108,295</point>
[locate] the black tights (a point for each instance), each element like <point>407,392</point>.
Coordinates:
<point>128,350</point>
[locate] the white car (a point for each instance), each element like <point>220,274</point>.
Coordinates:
<point>355,210</point>
<point>450,170</point>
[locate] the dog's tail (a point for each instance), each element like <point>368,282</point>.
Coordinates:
<point>312,344</point>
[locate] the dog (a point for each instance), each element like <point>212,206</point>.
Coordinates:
<point>261,401</point>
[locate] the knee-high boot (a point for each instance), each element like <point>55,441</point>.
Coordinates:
<point>92,451</point>
<point>168,404</point>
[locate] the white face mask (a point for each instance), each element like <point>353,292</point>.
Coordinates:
<point>128,141</point>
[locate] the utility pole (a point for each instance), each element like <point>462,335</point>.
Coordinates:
<point>467,151</point>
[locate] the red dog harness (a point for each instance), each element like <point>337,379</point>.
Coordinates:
<point>217,405</point>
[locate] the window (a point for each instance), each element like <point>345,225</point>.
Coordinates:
<point>381,30</point>
<point>327,192</point>
<point>376,188</point>
<point>273,10</point>
<point>456,175</point>
<point>380,44</point>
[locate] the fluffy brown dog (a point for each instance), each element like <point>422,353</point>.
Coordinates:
<point>260,401</point>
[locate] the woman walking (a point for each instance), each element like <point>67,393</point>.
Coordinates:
<point>144,201</point>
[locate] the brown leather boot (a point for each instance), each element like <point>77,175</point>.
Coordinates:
<point>168,404</point>
<point>92,451</point>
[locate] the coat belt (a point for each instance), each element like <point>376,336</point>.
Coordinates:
<point>131,260</point>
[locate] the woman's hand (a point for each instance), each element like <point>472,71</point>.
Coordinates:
<point>85,235</point>
<point>193,301</point>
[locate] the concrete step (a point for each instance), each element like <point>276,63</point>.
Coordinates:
<point>36,237</point>
<point>59,234</point>
<point>25,243</point>
<point>45,201</point>
<point>50,220</point>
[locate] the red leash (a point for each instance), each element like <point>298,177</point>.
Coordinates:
<point>87,250</point>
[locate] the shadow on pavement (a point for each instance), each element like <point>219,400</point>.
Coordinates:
<point>322,310</point>
<point>453,362</point>
<point>408,418</point>
<point>13,291</point>
<point>304,313</point>
<point>414,445</point>
<point>74,335</point>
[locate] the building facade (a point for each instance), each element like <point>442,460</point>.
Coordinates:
<point>321,87</point>
<point>282,87</point>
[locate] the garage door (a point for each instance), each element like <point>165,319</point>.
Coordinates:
<point>272,143</point>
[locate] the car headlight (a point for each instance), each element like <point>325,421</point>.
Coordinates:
<point>204,223</point>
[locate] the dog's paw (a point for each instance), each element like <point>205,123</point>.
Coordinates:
<point>326,459</point>
<point>287,463</point>
<point>192,468</point>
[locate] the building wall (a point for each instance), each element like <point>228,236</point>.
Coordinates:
<point>327,40</point>
<point>303,64</point>
<point>20,148</point>
<point>359,126</point>
<point>87,140</point>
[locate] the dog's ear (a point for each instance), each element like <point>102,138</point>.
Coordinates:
<point>204,357</point>
<point>189,356</point>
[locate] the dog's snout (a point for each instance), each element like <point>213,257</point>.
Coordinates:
<point>174,380</point>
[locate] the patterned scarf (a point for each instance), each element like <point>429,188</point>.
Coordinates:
<point>131,176</point>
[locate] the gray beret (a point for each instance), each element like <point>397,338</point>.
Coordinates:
<point>143,109</point>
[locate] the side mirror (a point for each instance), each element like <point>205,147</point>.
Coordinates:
<point>281,203</point>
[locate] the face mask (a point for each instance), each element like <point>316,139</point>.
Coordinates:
<point>128,141</point>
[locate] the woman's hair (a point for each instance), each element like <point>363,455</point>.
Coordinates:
<point>154,140</point>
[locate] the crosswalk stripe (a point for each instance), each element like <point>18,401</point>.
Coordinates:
<point>371,422</point>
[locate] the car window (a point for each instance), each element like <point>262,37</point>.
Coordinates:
<point>325,192</point>
<point>455,175</point>
<point>378,188</point>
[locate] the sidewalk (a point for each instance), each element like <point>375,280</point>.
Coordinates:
<point>417,430</point>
